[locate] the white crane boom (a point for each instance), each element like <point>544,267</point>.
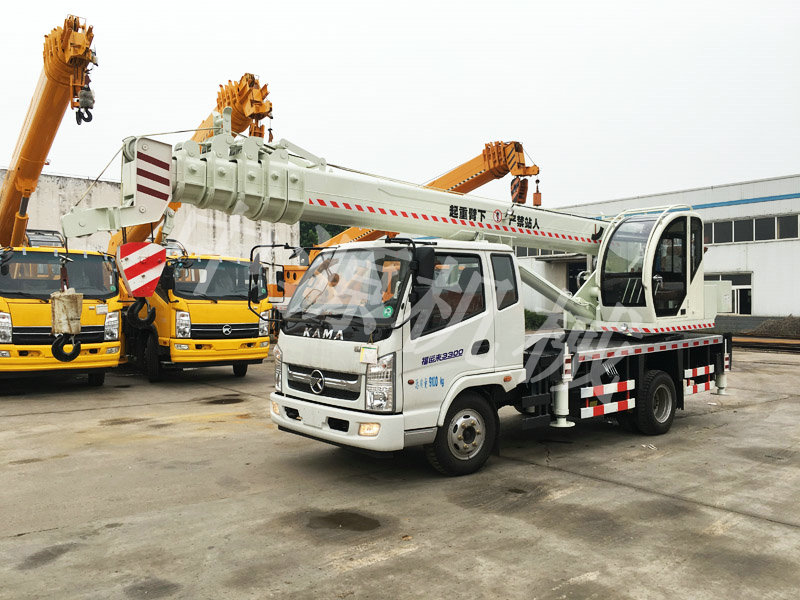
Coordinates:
<point>282,183</point>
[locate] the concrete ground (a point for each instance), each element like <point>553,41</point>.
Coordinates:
<point>186,490</point>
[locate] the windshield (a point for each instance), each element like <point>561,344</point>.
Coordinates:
<point>366,283</point>
<point>38,274</point>
<point>213,278</point>
<point>624,262</point>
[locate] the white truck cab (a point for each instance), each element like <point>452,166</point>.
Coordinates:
<point>357,365</point>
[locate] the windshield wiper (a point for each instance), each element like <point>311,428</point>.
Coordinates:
<point>205,297</point>
<point>26,295</point>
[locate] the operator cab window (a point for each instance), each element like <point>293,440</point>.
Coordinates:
<point>505,281</point>
<point>457,293</point>
<point>669,270</point>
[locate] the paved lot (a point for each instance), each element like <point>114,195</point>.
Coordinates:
<point>186,490</point>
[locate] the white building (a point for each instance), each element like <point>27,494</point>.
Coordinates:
<point>751,239</point>
<point>200,231</point>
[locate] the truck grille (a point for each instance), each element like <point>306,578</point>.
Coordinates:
<point>216,331</point>
<point>342,386</point>
<point>41,336</point>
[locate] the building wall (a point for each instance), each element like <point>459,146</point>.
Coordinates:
<point>200,231</point>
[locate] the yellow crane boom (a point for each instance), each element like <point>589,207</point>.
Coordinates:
<point>63,83</point>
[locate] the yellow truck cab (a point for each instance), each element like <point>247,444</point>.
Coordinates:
<point>202,318</point>
<point>28,275</point>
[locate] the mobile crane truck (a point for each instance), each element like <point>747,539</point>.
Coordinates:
<point>199,315</point>
<point>34,264</point>
<point>400,343</point>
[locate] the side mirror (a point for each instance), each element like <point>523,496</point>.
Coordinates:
<point>280,283</point>
<point>425,259</point>
<point>167,280</point>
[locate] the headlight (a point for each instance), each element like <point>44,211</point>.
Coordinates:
<point>183,324</point>
<point>263,324</point>
<point>278,355</point>
<point>5,328</point>
<point>380,384</point>
<point>111,332</point>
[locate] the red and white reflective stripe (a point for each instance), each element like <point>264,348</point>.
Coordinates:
<point>609,388</point>
<point>451,220</point>
<point>567,372</point>
<point>693,326</point>
<point>695,388</point>
<point>646,348</point>
<point>153,162</point>
<point>727,366</point>
<point>141,264</point>
<point>689,373</point>
<point>605,409</point>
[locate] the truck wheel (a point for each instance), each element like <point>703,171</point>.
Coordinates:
<point>655,405</point>
<point>97,379</point>
<point>240,369</point>
<point>152,364</point>
<point>464,443</point>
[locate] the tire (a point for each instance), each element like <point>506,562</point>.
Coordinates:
<point>97,379</point>
<point>655,406</point>
<point>472,419</point>
<point>152,363</point>
<point>239,369</point>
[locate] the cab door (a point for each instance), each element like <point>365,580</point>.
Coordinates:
<point>453,338</point>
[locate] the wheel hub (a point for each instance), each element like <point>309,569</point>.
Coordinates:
<point>466,434</point>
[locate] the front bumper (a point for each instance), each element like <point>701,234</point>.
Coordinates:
<point>24,358</point>
<point>216,351</point>
<point>316,421</point>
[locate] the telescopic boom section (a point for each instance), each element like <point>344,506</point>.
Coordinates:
<point>497,160</point>
<point>248,102</point>
<point>282,183</point>
<point>63,83</point>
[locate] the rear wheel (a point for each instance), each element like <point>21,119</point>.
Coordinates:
<point>465,441</point>
<point>97,379</point>
<point>656,403</point>
<point>152,363</point>
<point>240,369</point>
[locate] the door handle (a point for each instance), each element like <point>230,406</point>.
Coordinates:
<point>480,347</point>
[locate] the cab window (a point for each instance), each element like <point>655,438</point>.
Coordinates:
<point>457,293</point>
<point>505,281</point>
<point>669,269</point>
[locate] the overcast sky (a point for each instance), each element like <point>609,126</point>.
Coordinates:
<point>610,99</point>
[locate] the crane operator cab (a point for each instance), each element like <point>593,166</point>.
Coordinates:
<point>651,272</point>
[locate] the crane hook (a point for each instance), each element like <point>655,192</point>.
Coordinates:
<point>58,348</point>
<point>133,314</point>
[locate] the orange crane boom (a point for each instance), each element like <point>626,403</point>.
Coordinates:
<point>248,99</point>
<point>63,83</point>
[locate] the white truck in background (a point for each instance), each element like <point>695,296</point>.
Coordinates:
<point>404,342</point>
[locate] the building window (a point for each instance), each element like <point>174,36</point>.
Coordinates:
<point>521,251</point>
<point>723,232</point>
<point>743,230</point>
<point>765,228</point>
<point>742,290</point>
<point>787,227</point>
<point>708,233</point>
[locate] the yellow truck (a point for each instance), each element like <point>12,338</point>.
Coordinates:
<point>28,275</point>
<point>200,317</point>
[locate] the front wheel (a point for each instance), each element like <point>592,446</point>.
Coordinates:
<point>240,369</point>
<point>655,403</point>
<point>465,441</point>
